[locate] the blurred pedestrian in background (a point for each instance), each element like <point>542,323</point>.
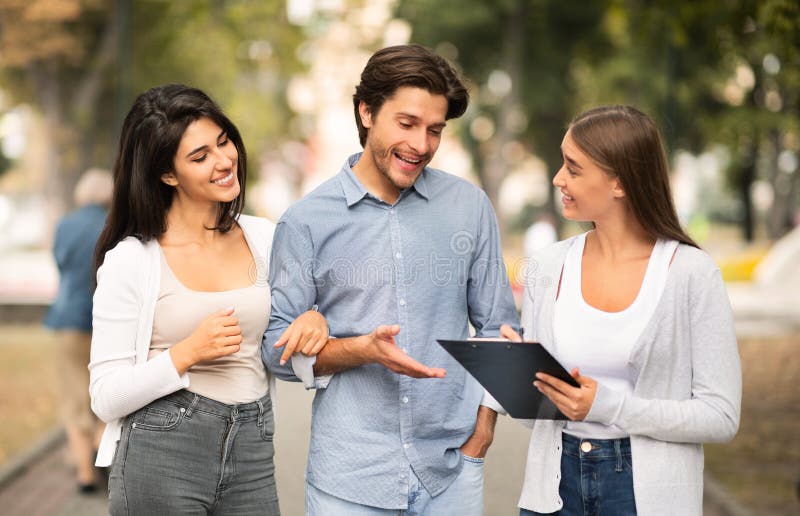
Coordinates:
<point>70,317</point>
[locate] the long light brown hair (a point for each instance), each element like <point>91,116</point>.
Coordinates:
<point>626,143</point>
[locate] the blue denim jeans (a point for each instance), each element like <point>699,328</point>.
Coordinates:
<point>597,481</point>
<point>187,454</point>
<point>463,497</point>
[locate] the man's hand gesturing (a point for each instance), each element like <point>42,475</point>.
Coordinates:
<point>383,349</point>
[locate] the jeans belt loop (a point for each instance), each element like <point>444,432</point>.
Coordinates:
<point>260,413</point>
<point>192,405</point>
<point>618,452</point>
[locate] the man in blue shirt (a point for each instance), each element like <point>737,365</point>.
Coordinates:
<point>396,255</point>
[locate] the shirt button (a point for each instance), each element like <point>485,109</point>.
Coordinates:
<point>402,302</point>
<point>405,399</point>
<point>398,255</point>
<point>406,446</point>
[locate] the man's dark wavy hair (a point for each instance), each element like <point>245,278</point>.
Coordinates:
<point>407,65</point>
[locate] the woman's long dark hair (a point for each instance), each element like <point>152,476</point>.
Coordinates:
<point>626,143</point>
<point>150,137</point>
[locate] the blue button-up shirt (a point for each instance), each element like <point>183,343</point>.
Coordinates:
<point>432,263</point>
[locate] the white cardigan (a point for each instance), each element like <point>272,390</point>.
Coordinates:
<point>122,380</point>
<point>687,386</point>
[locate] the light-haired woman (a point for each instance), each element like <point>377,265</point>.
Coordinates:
<point>639,314</point>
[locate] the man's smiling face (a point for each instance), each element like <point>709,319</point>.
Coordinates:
<point>403,135</point>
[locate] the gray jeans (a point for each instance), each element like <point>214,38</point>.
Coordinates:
<point>187,454</point>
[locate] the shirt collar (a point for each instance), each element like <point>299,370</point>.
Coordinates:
<point>354,191</point>
<point>421,184</point>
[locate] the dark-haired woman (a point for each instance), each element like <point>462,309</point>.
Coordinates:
<point>179,312</point>
<point>639,315</point>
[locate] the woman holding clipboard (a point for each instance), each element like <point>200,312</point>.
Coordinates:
<point>640,316</point>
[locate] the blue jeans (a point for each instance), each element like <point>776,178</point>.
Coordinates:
<point>598,481</point>
<point>187,454</point>
<point>463,497</point>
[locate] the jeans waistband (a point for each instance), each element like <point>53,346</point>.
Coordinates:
<point>595,448</point>
<point>193,402</point>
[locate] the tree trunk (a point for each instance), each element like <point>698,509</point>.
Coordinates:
<point>44,78</point>
<point>780,215</point>
<point>496,167</point>
<point>86,100</point>
<point>746,177</point>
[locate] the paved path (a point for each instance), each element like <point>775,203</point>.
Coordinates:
<point>46,488</point>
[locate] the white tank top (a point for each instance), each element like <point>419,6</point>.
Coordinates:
<point>600,343</point>
<point>236,378</point>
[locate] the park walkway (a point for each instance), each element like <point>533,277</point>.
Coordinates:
<point>43,485</point>
<point>46,488</point>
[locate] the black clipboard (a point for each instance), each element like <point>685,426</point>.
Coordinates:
<point>507,370</point>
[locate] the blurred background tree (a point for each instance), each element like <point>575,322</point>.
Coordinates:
<point>518,54</point>
<point>711,73</point>
<point>81,62</point>
<point>719,77</point>
<point>57,55</point>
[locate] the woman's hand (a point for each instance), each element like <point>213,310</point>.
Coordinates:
<point>307,334</point>
<point>574,402</point>
<point>217,336</point>
<point>509,333</point>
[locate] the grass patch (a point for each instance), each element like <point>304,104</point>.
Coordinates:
<point>28,407</point>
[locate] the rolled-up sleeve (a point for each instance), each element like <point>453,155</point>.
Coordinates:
<point>291,279</point>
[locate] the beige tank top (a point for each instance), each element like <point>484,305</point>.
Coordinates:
<point>236,378</point>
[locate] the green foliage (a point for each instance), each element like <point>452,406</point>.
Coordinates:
<point>239,52</point>
<point>81,63</point>
<point>554,32</point>
<point>699,68</point>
